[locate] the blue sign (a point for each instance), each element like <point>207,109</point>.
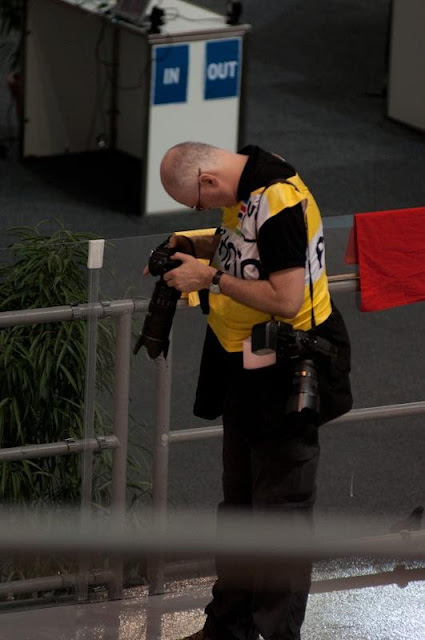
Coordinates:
<point>222,70</point>
<point>171,64</point>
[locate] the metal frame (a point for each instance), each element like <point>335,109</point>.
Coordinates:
<point>165,437</point>
<point>122,311</point>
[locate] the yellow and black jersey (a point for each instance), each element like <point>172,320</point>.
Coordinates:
<point>274,226</point>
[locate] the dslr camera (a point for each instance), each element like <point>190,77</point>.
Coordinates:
<point>162,306</point>
<point>297,349</point>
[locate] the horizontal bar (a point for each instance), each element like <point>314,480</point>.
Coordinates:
<point>21,317</point>
<point>46,583</point>
<point>356,415</point>
<point>198,433</point>
<point>344,283</point>
<point>258,536</point>
<point>399,575</point>
<point>344,277</point>
<point>27,452</point>
<point>384,411</point>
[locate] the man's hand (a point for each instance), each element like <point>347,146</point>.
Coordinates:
<point>182,243</point>
<point>192,275</point>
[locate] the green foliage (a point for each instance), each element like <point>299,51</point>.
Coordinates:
<point>11,15</point>
<point>42,368</point>
<point>11,27</point>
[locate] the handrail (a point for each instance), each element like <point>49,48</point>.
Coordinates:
<point>355,415</point>
<point>68,446</point>
<point>122,310</point>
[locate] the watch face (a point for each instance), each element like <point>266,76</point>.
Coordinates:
<point>215,288</point>
<point>215,284</point>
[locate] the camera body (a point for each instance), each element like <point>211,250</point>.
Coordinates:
<point>161,261</point>
<point>297,349</point>
<point>280,337</point>
<point>162,306</point>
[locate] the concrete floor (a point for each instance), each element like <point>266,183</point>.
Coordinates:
<point>350,600</point>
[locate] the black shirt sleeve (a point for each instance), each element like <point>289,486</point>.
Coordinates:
<point>282,240</point>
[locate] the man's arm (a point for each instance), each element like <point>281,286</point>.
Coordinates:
<point>282,294</point>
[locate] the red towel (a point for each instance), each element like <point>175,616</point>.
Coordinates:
<point>389,247</point>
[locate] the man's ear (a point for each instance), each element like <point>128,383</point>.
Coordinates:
<point>208,178</point>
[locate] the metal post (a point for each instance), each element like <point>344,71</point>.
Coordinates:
<point>119,456</point>
<point>156,566</point>
<point>90,392</point>
<point>94,264</point>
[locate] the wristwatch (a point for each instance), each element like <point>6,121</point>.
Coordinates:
<point>215,283</point>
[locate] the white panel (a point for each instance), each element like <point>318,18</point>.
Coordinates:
<point>406,91</point>
<point>212,121</point>
<point>67,91</point>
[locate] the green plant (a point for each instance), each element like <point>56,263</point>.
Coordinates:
<point>11,15</point>
<point>11,24</point>
<point>42,368</point>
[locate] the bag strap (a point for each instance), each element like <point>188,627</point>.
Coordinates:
<point>285,181</point>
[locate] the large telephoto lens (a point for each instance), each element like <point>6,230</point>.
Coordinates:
<point>158,320</point>
<point>304,395</point>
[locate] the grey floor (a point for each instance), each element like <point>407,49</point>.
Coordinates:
<point>342,606</point>
<point>316,93</point>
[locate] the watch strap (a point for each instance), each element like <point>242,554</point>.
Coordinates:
<point>217,277</point>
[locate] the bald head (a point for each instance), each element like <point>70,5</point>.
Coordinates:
<point>187,164</point>
<point>180,165</point>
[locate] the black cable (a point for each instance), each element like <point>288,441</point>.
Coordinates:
<point>100,91</point>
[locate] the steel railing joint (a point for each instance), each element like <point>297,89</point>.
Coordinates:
<point>106,305</point>
<point>101,443</point>
<point>76,311</point>
<point>71,444</point>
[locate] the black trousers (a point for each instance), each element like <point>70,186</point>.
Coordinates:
<point>268,466</point>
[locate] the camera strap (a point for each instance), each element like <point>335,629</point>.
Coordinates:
<point>285,181</point>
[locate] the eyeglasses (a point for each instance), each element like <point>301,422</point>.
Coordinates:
<point>198,206</point>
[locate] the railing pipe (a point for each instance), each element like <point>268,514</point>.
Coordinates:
<point>49,583</point>
<point>119,457</point>
<point>194,533</point>
<point>20,317</point>
<point>156,567</point>
<point>356,415</point>
<point>344,283</point>
<point>67,447</point>
<point>23,317</point>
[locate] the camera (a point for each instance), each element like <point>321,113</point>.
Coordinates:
<point>162,306</point>
<point>297,349</point>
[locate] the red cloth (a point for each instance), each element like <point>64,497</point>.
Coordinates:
<point>389,247</point>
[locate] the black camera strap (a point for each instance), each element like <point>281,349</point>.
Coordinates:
<point>313,319</point>
<point>285,181</point>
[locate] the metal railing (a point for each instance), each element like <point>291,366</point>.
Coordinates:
<point>122,311</point>
<point>164,437</point>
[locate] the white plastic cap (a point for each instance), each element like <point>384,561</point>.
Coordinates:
<point>95,258</point>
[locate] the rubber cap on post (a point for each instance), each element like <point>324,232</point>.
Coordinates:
<point>95,258</point>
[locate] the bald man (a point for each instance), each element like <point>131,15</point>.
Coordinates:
<point>266,262</point>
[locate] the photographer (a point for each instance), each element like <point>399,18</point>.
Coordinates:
<point>267,268</point>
